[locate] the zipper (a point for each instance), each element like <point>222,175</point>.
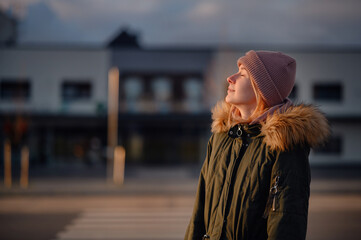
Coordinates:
<point>234,168</point>
<point>205,236</point>
<point>272,198</point>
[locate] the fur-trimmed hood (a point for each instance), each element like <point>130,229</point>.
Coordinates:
<point>299,124</point>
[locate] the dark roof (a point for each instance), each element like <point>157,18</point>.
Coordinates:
<point>124,39</point>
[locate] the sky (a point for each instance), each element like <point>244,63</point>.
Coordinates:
<point>189,22</point>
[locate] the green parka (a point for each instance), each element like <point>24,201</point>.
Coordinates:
<point>255,180</point>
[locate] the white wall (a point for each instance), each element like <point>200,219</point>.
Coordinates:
<point>328,67</point>
<point>47,69</point>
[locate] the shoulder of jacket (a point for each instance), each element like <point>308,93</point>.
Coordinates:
<point>218,137</point>
<point>299,125</point>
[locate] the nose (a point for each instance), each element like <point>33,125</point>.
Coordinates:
<point>230,79</point>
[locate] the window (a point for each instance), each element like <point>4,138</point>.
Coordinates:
<point>161,87</point>
<point>15,89</point>
<point>193,88</point>
<point>328,92</point>
<point>76,91</point>
<point>133,87</point>
<point>333,145</point>
<point>193,91</point>
<point>152,86</point>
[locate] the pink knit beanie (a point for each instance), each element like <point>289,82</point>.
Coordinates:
<point>272,72</point>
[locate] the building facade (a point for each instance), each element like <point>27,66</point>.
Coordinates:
<point>55,100</point>
<point>164,117</point>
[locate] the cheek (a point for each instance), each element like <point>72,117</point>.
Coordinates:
<point>244,87</point>
<point>245,91</point>
<point>250,87</point>
<point>251,92</point>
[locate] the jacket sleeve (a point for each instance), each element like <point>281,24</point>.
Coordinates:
<point>196,227</point>
<point>289,218</point>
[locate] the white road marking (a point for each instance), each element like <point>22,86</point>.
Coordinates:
<point>128,223</point>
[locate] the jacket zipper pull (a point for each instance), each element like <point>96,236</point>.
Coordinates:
<point>271,198</point>
<point>274,203</point>
<point>275,191</point>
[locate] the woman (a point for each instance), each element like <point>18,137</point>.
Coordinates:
<point>255,180</point>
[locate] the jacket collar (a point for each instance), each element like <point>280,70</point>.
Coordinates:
<point>244,130</point>
<point>300,124</point>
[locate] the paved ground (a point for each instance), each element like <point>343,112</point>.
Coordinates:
<point>153,206</point>
<point>331,217</point>
<point>33,226</point>
<point>161,181</point>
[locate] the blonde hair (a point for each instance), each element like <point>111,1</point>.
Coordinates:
<point>235,115</point>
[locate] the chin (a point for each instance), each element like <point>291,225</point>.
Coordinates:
<point>228,100</point>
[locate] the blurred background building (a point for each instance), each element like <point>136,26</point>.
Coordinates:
<point>53,98</point>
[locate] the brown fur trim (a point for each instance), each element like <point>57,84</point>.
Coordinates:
<point>301,124</point>
<point>220,114</point>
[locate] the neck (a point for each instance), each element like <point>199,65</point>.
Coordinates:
<point>246,110</point>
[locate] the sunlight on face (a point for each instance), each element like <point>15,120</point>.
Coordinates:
<point>240,90</point>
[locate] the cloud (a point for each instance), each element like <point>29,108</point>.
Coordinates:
<point>208,22</point>
<point>88,9</point>
<point>42,25</point>
<point>204,10</point>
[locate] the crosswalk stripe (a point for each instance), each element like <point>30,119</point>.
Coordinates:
<point>138,209</point>
<point>97,227</point>
<point>146,223</point>
<point>137,214</point>
<point>122,220</point>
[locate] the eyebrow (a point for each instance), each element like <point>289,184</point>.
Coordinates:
<point>238,64</point>
<point>243,69</point>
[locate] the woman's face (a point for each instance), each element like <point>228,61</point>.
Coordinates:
<point>240,90</point>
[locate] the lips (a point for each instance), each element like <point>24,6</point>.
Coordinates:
<point>230,90</point>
